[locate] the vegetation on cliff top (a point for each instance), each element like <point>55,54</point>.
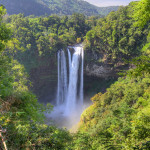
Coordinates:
<point>42,37</point>
<point>117,37</point>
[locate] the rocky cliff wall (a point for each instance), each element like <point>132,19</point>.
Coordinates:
<point>44,79</point>
<point>99,65</point>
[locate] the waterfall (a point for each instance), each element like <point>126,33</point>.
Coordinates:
<point>81,78</point>
<point>62,78</point>
<point>70,84</point>
<point>69,58</point>
<point>58,84</point>
<point>73,78</point>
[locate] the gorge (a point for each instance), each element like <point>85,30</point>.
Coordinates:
<point>40,75</point>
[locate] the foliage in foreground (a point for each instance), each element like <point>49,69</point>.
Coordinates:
<point>20,113</point>
<point>37,136</point>
<point>119,118</point>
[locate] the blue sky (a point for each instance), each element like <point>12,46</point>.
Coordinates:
<point>102,3</point>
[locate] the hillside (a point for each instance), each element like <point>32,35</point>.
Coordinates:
<point>119,118</point>
<point>59,7</point>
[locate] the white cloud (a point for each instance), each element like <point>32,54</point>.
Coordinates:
<point>102,3</point>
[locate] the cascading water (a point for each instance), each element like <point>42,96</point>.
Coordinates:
<point>81,79</point>
<point>62,78</point>
<point>69,92</point>
<point>58,84</point>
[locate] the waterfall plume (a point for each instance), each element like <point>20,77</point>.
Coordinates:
<point>70,83</point>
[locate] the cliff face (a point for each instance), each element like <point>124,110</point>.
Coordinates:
<point>99,65</point>
<point>44,79</point>
<point>102,71</point>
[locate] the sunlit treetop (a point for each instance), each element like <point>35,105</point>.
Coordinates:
<point>142,13</point>
<point>2,11</point>
<point>4,31</point>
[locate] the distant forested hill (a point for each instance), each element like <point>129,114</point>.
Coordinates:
<point>59,7</point>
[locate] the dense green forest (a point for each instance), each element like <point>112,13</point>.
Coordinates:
<point>118,118</point>
<point>41,37</point>
<point>59,7</point>
<point>117,36</point>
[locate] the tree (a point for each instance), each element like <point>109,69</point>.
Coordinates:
<point>4,32</point>
<point>142,13</point>
<point>142,16</point>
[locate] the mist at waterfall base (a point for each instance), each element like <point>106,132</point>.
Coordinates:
<point>70,96</point>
